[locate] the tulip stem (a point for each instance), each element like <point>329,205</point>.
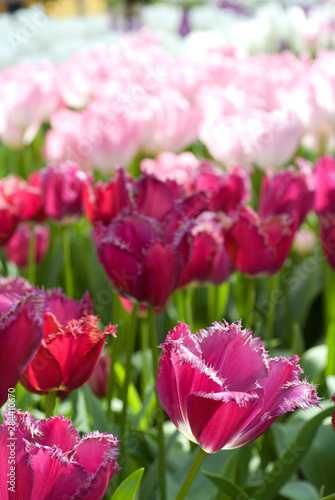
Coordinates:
<point>32,258</point>
<point>250,301</point>
<point>187,297</point>
<point>67,262</point>
<point>191,474</point>
<point>159,409</point>
<point>50,401</point>
<point>130,341</point>
<point>272,302</point>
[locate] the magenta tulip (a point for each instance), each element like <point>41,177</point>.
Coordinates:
<point>210,262</point>
<point>17,249</point>
<point>287,192</point>
<point>48,460</point>
<point>21,333</point>
<point>324,180</point>
<point>222,390</point>
<point>257,245</point>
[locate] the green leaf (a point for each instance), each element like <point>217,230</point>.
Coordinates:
<point>300,490</point>
<point>226,486</point>
<point>291,459</point>
<point>99,418</point>
<point>129,487</point>
<point>330,341</point>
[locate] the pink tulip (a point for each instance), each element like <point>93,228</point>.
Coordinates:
<point>17,249</point>
<point>289,192</point>
<point>20,333</point>
<point>270,240</point>
<point>26,197</point>
<point>98,381</point>
<point>222,390</point>
<point>50,460</point>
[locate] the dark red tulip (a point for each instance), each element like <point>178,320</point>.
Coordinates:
<point>227,191</point>
<point>17,249</point>
<point>21,333</point>
<point>62,186</point>
<point>289,192</point>
<point>143,259</point>
<point>258,245</point>
<point>9,217</point>
<point>209,262</point>
<point>103,202</point>
<point>48,459</point>
<point>324,182</point>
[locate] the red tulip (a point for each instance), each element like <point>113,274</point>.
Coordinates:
<point>222,390</point>
<point>67,355</point>
<point>209,262</point>
<point>324,180</point>
<point>48,459</point>
<point>144,260</point>
<point>17,249</point>
<point>62,186</point>
<point>9,217</point>
<point>258,245</point>
<point>21,334</point>
<point>287,192</point>
<point>227,191</point>
<point>103,202</point>
<point>26,197</point>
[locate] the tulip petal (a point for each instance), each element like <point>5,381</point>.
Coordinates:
<point>154,198</point>
<point>44,373</point>
<point>58,431</point>
<point>237,357</point>
<point>55,475</point>
<point>215,419</point>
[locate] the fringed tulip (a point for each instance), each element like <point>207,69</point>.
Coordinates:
<point>48,459</point>
<point>142,258</point>
<point>210,262</point>
<point>257,245</point>
<point>17,249</point>
<point>21,333</point>
<point>287,192</point>
<point>26,197</point>
<point>67,355</point>
<point>222,390</point>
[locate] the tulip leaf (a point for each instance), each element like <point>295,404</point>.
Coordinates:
<point>288,463</point>
<point>226,486</point>
<point>129,487</point>
<point>330,341</point>
<point>299,490</point>
<point>95,410</point>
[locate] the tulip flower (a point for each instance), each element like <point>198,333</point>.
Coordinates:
<point>21,334</point>
<point>48,459</point>
<point>62,186</point>
<point>270,240</point>
<point>209,262</point>
<point>222,390</point>
<point>98,381</point>
<point>287,192</point>
<point>17,249</point>
<point>327,237</point>
<point>69,351</point>
<point>324,180</point>
<point>143,259</point>
<point>26,197</point>
<point>103,202</point>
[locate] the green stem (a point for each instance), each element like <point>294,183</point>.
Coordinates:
<point>159,409</point>
<point>50,401</point>
<point>130,341</point>
<point>271,313</point>
<point>249,301</point>
<point>67,262</point>
<point>212,306</point>
<point>144,355</point>
<point>32,258</point>
<point>187,297</point>
<point>191,474</point>
<point>329,497</point>
<point>111,378</point>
